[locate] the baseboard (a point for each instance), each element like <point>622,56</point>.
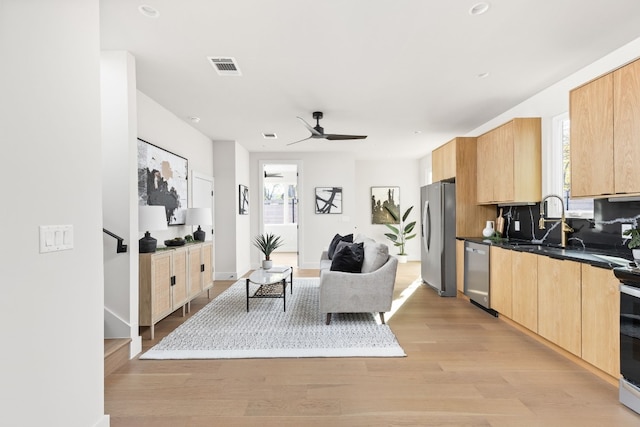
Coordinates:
<point>135,347</point>
<point>105,421</point>
<point>226,275</point>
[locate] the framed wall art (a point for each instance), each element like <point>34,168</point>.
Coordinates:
<point>383,198</point>
<point>328,200</point>
<point>243,200</point>
<point>162,181</point>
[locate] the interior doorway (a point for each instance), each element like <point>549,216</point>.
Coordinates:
<point>280,209</point>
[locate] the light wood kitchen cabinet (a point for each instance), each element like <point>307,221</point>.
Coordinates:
<point>457,159</point>
<point>162,285</point>
<point>601,319</point>
<point>509,163</point>
<point>559,303</point>
<point>170,278</point>
<point>500,281</point>
<point>605,127</point>
<point>460,266</point>
<point>525,289</point>
<point>443,161</point>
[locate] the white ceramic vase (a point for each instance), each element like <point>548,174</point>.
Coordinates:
<point>489,229</point>
<point>636,256</point>
<point>267,264</point>
<point>402,259</point>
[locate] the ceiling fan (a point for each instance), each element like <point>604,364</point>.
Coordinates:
<point>317,132</point>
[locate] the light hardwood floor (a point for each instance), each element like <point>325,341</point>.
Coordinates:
<point>463,368</point>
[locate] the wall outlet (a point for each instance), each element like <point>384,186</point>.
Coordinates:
<point>623,228</point>
<point>516,225</point>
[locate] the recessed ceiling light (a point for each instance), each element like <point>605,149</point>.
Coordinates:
<point>483,75</point>
<point>148,11</point>
<point>194,119</point>
<point>479,8</point>
<point>417,132</point>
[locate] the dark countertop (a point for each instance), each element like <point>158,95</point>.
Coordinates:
<point>604,258</point>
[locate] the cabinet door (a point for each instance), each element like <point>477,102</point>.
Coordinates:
<point>591,113</point>
<point>500,281</point>
<point>460,266</point>
<point>207,261</point>
<point>443,160</point>
<point>195,270</point>
<point>485,168</point>
<point>626,128</point>
<point>525,289</point>
<point>559,303</point>
<point>179,289</point>
<point>160,285</point>
<point>601,319</point>
<point>503,162</point>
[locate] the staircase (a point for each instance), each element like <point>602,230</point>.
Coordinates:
<point>116,354</point>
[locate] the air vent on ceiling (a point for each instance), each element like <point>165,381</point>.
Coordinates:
<point>225,66</point>
<point>267,135</point>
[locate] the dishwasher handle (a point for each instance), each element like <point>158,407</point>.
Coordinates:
<point>478,251</point>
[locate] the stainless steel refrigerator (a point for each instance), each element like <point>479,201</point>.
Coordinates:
<point>438,202</point>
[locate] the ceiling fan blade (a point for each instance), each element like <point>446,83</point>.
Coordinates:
<point>291,143</point>
<point>309,127</point>
<point>336,137</point>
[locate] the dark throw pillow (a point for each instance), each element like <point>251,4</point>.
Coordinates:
<point>348,257</point>
<point>334,243</point>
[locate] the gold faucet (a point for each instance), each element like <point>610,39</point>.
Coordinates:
<point>564,227</point>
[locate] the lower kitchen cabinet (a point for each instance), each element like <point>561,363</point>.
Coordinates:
<point>525,289</point>
<point>559,303</point>
<point>601,319</point>
<point>500,280</point>
<point>170,278</point>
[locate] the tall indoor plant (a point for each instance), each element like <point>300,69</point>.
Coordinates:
<point>267,243</point>
<point>402,233</point>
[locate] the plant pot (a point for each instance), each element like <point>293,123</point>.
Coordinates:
<point>267,264</point>
<point>402,259</point>
<point>636,256</point>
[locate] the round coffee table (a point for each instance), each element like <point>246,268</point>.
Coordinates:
<point>272,283</point>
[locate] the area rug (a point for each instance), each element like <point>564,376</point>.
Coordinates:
<point>224,330</point>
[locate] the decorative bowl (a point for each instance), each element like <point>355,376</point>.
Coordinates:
<point>175,242</point>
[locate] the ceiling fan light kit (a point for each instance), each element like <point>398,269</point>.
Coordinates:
<point>317,131</point>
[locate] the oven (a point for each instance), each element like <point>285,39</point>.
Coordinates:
<point>629,338</point>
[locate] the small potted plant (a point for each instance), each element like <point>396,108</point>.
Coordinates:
<point>267,243</point>
<point>402,233</point>
<point>634,243</point>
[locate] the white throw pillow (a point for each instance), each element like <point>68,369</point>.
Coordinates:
<point>375,255</point>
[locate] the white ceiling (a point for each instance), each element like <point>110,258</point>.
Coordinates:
<point>403,72</point>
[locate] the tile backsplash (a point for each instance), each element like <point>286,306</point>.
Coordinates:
<point>602,232</point>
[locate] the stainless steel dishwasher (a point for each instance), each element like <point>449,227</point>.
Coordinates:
<point>476,273</point>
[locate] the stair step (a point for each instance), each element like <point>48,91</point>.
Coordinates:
<point>116,353</point>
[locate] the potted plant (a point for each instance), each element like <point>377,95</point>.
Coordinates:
<point>267,243</point>
<point>634,243</point>
<point>402,233</point>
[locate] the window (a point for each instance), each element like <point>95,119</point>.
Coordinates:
<point>561,173</point>
<point>280,203</point>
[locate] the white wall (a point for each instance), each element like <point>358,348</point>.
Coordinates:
<point>243,223</point>
<point>51,308</point>
<point>119,198</point>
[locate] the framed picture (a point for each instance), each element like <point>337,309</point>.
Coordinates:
<point>328,200</point>
<point>162,181</point>
<point>243,198</point>
<point>384,199</point>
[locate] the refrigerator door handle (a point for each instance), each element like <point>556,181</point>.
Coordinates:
<point>426,224</point>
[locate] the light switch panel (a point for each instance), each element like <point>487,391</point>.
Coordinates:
<point>56,238</point>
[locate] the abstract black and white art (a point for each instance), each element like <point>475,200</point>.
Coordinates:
<point>243,198</point>
<point>162,181</point>
<point>328,200</point>
<point>384,199</point>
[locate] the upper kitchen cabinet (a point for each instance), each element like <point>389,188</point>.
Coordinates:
<point>509,163</point>
<point>605,127</point>
<point>457,160</point>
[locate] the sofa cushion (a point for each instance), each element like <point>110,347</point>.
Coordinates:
<point>337,239</point>
<point>348,257</point>
<point>375,255</point>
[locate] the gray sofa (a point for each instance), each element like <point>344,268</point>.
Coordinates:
<point>368,291</point>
